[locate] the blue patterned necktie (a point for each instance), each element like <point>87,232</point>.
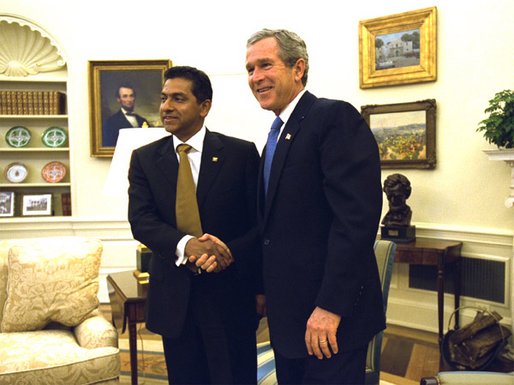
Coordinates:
<point>271,144</point>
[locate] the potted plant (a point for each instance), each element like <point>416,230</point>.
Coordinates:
<point>498,128</point>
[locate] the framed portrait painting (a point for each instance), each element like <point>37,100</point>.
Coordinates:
<point>398,49</point>
<point>405,133</point>
<point>123,94</point>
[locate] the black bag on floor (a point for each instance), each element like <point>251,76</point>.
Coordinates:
<point>475,345</point>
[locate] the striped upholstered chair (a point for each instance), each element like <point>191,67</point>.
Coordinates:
<point>384,252</point>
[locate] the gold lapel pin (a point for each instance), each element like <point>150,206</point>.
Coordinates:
<point>288,137</point>
<point>214,158</point>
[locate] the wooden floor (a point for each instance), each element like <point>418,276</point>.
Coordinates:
<point>410,354</point>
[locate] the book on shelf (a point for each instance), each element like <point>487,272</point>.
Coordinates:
<point>66,204</point>
<point>14,102</point>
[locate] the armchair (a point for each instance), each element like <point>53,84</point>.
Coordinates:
<point>384,252</point>
<point>51,331</point>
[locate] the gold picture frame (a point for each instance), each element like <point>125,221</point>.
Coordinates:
<point>143,77</point>
<point>405,133</point>
<point>398,49</point>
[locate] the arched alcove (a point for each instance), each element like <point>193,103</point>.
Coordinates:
<point>27,49</point>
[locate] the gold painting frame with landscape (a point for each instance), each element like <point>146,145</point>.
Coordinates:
<point>405,133</point>
<point>382,65</point>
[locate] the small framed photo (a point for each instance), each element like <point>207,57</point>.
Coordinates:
<point>398,49</point>
<point>6,203</point>
<point>405,133</point>
<point>40,204</point>
<point>123,94</point>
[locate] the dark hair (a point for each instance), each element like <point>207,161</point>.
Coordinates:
<point>201,85</point>
<point>124,85</point>
<point>397,179</point>
<point>291,47</point>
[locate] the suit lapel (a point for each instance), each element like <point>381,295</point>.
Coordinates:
<point>212,160</point>
<point>291,129</point>
<point>168,164</point>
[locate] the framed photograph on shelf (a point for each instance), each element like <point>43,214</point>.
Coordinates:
<point>6,203</point>
<point>405,133</point>
<point>123,94</point>
<point>40,204</point>
<point>398,49</point>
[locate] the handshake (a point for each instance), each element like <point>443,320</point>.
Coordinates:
<point>207,253</point>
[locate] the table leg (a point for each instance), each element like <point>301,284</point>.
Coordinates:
<point>457,282</point>
<point>440,299</point>
<point>133,351</point>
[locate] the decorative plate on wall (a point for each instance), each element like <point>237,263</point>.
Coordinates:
<point>54,137</point>
<point>53,172</point>
<point>16,172</point>
<point>18,136</point>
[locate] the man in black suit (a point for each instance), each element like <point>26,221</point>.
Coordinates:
<point>124,118</point>
<point>208,320</point>
<point>319,219</point>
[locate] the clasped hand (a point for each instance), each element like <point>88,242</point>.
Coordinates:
<point>208,253</point>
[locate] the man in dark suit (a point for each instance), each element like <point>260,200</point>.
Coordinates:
<point>124,118</point>
<point>208,320</point>
<point>319,219</point>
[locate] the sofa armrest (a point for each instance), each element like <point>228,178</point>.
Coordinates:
<point>470,378</point>
<point>95,332</point>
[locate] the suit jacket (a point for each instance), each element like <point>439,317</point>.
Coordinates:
<point>113,124</point>
<point>319,223</point>
<point>226,192</point>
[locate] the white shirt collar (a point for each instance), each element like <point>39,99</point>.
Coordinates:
<point>285,115</point>
<point>196,141</point>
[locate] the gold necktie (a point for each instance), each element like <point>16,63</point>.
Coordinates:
<point>186,205</point>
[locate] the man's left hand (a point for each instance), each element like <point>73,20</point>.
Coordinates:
<point>320,336</point>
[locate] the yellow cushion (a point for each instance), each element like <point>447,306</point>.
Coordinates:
<point>51,279</point>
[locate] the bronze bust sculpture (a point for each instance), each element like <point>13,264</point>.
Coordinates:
<point>396,222</point>
<point>397,189</point>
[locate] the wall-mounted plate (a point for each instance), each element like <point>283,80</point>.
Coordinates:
<point>16,172</point>
<point>53,172</point>
<point>54,137</point>
<point>18,136</point>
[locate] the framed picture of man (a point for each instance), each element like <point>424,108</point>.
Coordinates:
<point>123,94</point>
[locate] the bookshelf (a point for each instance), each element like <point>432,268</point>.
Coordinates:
<point>35,172</point>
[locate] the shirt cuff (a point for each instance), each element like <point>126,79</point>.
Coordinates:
<point>180,252</point>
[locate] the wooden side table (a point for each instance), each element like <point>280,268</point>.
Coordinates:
<point>128,306</point>
<point>424,251</point>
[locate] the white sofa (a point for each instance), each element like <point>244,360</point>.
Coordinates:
<point>51,331</point>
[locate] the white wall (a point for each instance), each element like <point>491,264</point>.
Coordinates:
<point>463,195</point>
<point>475,60</point>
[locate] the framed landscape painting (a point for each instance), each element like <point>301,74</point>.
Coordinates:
<point>398,49</point>
<point>405,133</point>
